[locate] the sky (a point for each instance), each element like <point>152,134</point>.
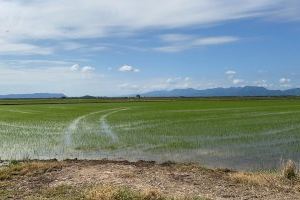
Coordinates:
<point>112,48</point>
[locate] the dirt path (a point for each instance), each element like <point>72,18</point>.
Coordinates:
<point>172,180</point>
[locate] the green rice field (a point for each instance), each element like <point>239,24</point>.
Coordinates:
<point>234,133</point>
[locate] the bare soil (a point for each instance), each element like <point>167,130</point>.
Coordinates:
<point>170,179</point>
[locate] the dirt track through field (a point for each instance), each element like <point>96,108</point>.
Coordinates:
<point>105,127</point>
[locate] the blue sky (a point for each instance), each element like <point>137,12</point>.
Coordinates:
<point>111,48</point>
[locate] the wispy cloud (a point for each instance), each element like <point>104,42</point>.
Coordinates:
<point>50,79</point>
<point>215,40</point>
<point>24,22</point>
<point>175,37</point>
<point>8,47</point>
<point>179,43</point>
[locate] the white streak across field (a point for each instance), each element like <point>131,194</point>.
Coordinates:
<point>105,127</point>
<point>16,111</point>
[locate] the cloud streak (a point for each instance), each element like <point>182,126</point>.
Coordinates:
<point>185,42</point>
<point>22,22</point>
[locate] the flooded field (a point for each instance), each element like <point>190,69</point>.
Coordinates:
<point>235,133</point>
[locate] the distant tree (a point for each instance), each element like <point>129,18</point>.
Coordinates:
<point>138,96</point>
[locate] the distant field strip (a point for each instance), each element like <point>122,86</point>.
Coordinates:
<point>17,111</point>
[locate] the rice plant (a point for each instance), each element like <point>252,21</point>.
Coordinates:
<point>243,134</point>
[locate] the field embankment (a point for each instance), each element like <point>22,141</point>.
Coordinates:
<point>123,180</point>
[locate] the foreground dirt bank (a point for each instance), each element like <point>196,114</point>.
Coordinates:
<point>123,180</point>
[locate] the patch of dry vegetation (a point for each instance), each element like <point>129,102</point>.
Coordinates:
<point>100,192</point>
<point>121,193</point>
<point>288,179</point>
<point>61,192</point>
<point>255,178</point>
<point>28,168</point>
<point>38,180</point>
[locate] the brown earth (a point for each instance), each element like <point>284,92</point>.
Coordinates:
<point>32,180</point>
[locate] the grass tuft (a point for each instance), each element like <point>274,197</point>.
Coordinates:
<point>289,170</point>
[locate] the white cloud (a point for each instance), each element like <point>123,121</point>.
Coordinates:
<point>237,81</point>
<point>75,67</point>
<point>284,80</point>
<point>87,69</point>
<point>177,82</point>
<point>262,83</point>
<point>230,72</point>
<point>128,68</point>
<point>187,78</point>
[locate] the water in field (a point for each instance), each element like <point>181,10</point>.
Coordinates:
<point>239,134</point>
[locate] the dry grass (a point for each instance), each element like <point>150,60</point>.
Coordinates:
<point>61,192</point>
<point>289,170</point>
<point>104,180</point>
<point>28,168</point>
<point>121,193</point>
<point>272,181</point>
<point>260,179</point>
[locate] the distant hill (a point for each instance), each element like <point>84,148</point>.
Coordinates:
<point>33,96</point>
<point>220,92</point>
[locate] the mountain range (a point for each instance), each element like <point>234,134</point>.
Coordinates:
<point>33,96</point>
<point>223,92</point>
<point>247,91</point>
